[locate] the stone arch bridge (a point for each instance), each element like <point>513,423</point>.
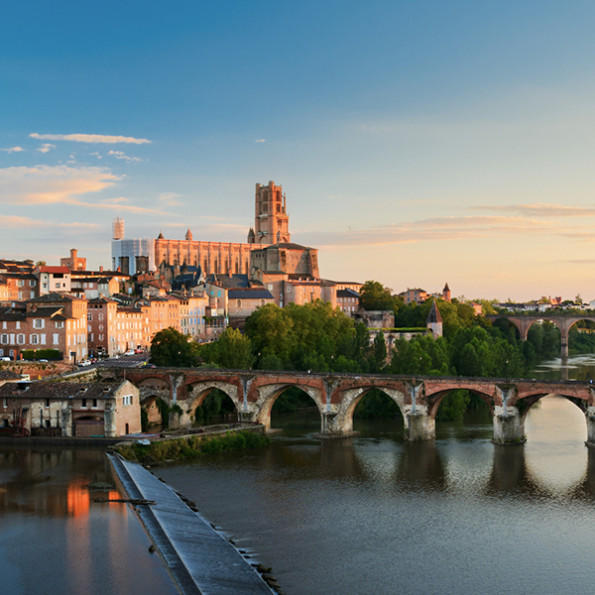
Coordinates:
<point>563,323</point>
<point>336,396</point>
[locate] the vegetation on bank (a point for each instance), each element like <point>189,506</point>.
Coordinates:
<point>190,447</point>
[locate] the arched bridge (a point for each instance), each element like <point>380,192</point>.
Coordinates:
<point>336,396</point>
<point>563,323</point>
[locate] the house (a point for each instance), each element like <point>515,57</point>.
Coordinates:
<point>71,409</point>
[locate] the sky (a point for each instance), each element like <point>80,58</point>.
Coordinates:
<point>418,142</point>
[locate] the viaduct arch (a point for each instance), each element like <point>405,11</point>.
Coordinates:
<point>562,323</point>
<point>254,392</point>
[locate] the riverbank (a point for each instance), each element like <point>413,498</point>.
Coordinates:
<point>175,447</point>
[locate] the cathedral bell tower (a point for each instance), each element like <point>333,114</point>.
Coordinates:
<point>271,221</point>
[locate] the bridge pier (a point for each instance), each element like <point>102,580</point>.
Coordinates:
<point>590,415</point>
<point>419,425</point>
<point>509,427</point>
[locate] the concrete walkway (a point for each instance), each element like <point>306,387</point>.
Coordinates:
<point>199,559</point>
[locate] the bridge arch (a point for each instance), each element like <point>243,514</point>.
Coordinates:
<point>269,393</point>
<point>436,399</point>
<point>197,393</point>
<point>342,422</point>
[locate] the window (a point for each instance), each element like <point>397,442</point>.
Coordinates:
<point>4,339</point>
<point>84,404</point>
<point>38,323</point>
<point>55,339</point>
<point>20,339</point>
<point>94,403</point>
<point>127,400</point>
<point>34,339</point>
<point>59,324</point>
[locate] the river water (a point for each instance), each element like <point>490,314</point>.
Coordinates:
<point>377,515</point>
<point>56,538</point>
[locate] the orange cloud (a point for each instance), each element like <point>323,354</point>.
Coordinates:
<point>91,138</point>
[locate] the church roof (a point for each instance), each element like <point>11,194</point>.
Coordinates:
<point>434,314</point>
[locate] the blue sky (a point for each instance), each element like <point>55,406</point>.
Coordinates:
<point>418,143</point>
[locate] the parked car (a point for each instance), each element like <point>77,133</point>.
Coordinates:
<point>85,362</point>
<point>129,352</point>
<point>5,359</point>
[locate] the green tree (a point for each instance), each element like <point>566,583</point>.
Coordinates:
<point>374,296</point>
<point>232,350</point>
<point>172,348</point>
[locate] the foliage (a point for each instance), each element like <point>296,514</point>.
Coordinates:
<point>232,350</point>
<point>374,296</point>
<point>37,354</point>
<point>172,348</point>
<point>191,447</point>
<point>314,337</point>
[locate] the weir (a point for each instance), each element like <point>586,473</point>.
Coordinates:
<point>199,559</point>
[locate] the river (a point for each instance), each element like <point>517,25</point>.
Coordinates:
<point>56,538</point>
<point>377,515</point>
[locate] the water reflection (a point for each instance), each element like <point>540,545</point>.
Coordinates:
<point>56,538</point>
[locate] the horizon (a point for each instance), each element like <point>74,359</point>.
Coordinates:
<point>417,144</point>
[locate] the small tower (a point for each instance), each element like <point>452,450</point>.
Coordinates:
<point>434,321</point>
<point>118,229</point>
<point>446,293</point>
<point>188,235</point>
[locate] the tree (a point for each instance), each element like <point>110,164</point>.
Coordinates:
<point>233,350</point>
<point>171,348</point>
<point>374,296</point>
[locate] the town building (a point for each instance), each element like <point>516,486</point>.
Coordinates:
<point>46,408</point>
<point>53,321</point>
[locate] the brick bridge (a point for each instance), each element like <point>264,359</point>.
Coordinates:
<point>563,323</point>
<point>336,395</point>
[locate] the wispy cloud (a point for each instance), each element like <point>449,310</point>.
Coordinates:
<point>91,138</point>
<point>13,150</point>
<point>260,140</point>
<point>541,210</point>
<point>169,199</point>
<point>461,228</point>
<point>123,156</point>
<point>46,148</point>
<point>16,222</point>
<point>46,185</point>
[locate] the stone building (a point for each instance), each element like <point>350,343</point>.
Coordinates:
<point>71,409</point>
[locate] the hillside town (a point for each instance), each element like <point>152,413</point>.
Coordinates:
<point>196,287</point>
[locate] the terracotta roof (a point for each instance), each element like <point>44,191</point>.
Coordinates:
<point>46,269</point>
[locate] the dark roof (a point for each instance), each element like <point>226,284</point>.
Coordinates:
<point>347,293</point>
<point>57,390</point>
<point>434,314</point>
<point>249,293</point>
<point>8,375</point>
<point>229,281</point>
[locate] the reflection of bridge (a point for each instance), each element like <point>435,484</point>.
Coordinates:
<point>254,392</point>
<point>563,323</point>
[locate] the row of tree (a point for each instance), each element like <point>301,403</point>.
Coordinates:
<point>317,337</point>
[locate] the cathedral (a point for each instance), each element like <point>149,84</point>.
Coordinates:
<point>268,249</point>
